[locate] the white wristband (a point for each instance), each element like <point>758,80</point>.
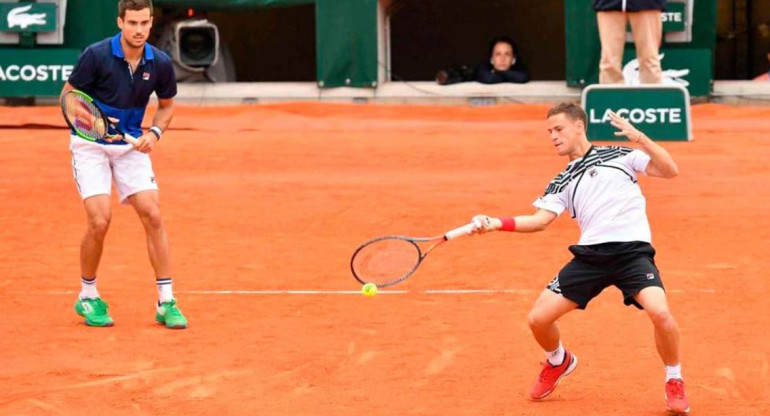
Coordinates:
<point>158,132</point>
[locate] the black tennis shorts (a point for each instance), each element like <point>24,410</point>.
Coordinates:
<point>630,266</point>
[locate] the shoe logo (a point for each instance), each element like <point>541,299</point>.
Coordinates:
<point>152,179</point>
<point>86,307</point>
<point>650,276</point>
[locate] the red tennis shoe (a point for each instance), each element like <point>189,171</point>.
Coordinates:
<point>550,375</point>
<point>676,398</point>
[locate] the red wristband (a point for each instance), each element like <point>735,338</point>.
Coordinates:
<point>509,224</point>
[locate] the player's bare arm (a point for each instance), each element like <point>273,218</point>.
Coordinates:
<point>67,87</point>
<point>161,120</point>
<point>661,165</point>
<point>164,114</point>
<point>538,221</point>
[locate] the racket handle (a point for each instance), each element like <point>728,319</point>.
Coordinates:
<point>464,230</point>
<point>130,139</point>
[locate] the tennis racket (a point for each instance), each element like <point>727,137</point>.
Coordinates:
<point>391,259</point>
<point>87,120</point>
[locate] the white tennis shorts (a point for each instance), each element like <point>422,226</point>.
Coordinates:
<point>95,166</point>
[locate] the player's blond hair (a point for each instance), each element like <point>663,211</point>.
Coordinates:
<point>573,111</point>
<point>124,5</point>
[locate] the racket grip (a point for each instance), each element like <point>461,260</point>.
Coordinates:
<point>130,139</point>
<point>457,232</point>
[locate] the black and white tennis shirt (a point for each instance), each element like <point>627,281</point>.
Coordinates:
<point>601,191</point>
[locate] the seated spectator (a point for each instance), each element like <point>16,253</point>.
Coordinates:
<point>504,66</point>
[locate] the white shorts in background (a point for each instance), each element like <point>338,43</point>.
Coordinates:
<point>95,165</point>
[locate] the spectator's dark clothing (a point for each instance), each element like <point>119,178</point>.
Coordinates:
<point>631,5</point>
<point>454,75</point>
<point>486,74</point>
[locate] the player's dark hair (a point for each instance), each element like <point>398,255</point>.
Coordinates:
<point>124,5</point>
<point>573,111</point>
<point>503,39</point>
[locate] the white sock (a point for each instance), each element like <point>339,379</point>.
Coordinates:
<point>88,288</point>
<point>556,357</point>
<point>673,371</point>
<point>165,293</point>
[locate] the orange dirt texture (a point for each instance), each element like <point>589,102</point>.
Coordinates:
<point>263,199</point>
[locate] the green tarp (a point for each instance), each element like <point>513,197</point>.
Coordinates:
<point>346,43</point>
<point>89,21</point>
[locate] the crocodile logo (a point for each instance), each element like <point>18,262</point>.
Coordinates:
<point>670,76</point>
<point>20,17</point>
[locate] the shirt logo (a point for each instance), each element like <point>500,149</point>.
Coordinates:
<point>554,285</point>
<point>592,172</point>
<point>146,76</point>
<point>650,276</point>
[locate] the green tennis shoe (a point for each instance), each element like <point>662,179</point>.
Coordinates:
<point>95,312</point>
<point>168,314</point>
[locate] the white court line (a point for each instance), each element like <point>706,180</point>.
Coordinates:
<point>477,291</point>
<point>381,291</point>
<point>288,292</point>
<point>88,384</point>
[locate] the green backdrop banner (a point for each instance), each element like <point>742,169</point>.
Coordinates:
<point>584,48</point>
<point>662,112</point>
<point>674,17</point>
<point>32,72</point>
<point>41,71</point>
<point>346,43</point>
<point>27,17</point>
<point>89,21</point>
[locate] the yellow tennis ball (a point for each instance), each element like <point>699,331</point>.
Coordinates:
<point>369,290</point>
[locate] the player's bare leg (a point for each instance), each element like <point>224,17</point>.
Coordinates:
<point>98,215</point>
<point>549,307</point>
<point>147,206</point>
<point>89,304</point>
<point>653,299</point>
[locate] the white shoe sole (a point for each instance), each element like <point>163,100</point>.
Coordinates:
<point>675,412</point>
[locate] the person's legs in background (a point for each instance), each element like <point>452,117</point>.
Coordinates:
<point>612,33</point>
<point>647,30</point>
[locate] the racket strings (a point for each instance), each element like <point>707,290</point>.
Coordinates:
<point>386,261</point>
<point>84,116</point>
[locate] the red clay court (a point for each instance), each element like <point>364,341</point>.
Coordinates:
<point>261,201</point>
